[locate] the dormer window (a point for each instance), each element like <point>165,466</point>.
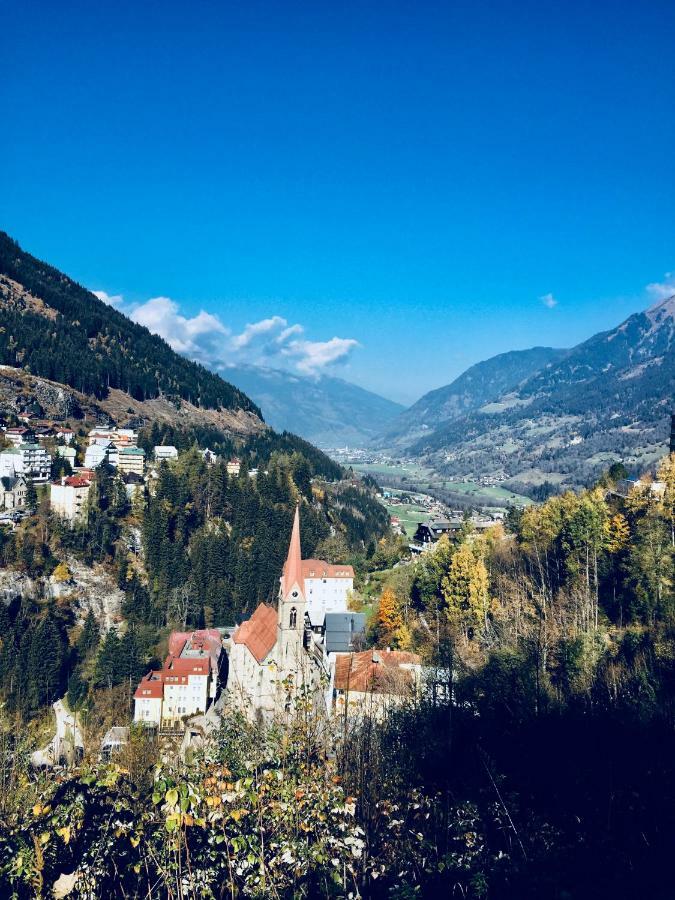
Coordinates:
<point>293,619</point>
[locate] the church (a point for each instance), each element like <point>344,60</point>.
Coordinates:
<point>278,656</point>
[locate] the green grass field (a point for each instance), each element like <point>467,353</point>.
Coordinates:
<point>422,478</point>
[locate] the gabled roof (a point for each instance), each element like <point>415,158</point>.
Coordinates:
<point>319,568</point>
<point>376,671</point>
<point>259,633</point>
<point>150,687</point>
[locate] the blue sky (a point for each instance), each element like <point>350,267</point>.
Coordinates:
<point>403,182</point>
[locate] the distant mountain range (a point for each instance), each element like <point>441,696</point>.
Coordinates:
<point>608,398</point>
<point>327,411</point>
<point>478,385</point>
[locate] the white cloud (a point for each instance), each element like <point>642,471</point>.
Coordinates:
<point>255,329</point>
<point>311,357</point>
<point>115,300</point>
<point>548,300</point>
<point>206,339</point>
<point>662,290</point>
<point>288,332</point>
<point>200,337</point>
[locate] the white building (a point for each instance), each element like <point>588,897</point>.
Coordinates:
<point>96,454</point>
<point>65,434</point>
<point>234,466</point>
<point>187,682</point>
<point>30,460</point>
<point>124,436</point>
<point>327,587</point>
<point>165,452</point>
<point>68,497</point>
<point>18,436</point>
<point>68,453</point>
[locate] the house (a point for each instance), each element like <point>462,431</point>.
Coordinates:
<point>20,435</point>
<point>185,684</point>
<point>233,466</point>
<point>368,683</point>
<point>68,453</point>
<point>276,655</point>
<point>627,486</point>
<point>12,491</point>
<point>68,497</point>
<point>209,457</point>
<point>131,459</point>
<point>66,435</point>
<point>430,532</point>
<point>165,452</point>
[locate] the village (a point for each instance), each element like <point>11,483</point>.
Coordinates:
<point>310,646</point>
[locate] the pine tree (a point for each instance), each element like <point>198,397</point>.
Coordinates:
<point>109,665</point>
<point>89,636</point>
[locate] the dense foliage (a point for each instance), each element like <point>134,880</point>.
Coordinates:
<point>92,347</point>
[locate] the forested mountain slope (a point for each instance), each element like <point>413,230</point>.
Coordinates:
<point>608,398</point>
<point>55,328</point>
<point>481,383</point>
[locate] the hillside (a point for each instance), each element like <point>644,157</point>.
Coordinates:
<point>608,398</point>
<point>57,330</point>
<point>481,383</point>
<point>327,411</point>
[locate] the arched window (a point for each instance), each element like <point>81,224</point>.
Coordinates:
<point>293,618</point>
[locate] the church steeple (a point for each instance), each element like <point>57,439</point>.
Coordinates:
<point>293,566</point>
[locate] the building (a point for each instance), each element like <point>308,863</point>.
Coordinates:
<point>64,434</point>
<point>209,456</point>
<point>131,459</point>
<point>30,460</point>
<point>278,653</point>
<point>165,452</point>
<point>12,491</point>
<point>234,466</point>
<point>68,497</point>
<point>68,453</point>
<point>20,435</point>
<point>96,454</point>
<point>187,682</point>
<point>328,589</point>
<point>344,631</point>
<point>367,683</point>
<point>126,437</point>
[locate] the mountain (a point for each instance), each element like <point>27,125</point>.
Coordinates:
<point>608,398</point>
<point>481,383</point>
<point>54,329</point>
<point>327,411</point>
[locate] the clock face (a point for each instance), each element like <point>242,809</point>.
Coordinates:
<point>294,594</point>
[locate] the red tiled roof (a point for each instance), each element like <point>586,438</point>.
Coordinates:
<point>378,671</point>
<point>318,568</point>
<point>150,687</point>
<point>187,666</point>
<point>76,481</point>
<point>259,633</point>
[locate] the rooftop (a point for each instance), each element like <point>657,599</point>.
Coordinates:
<point>259,633</point>
<point>376,671</point>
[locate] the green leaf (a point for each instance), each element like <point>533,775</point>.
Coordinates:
<point>171,796</point>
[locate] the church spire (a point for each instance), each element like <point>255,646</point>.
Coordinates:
<point>293,564</point>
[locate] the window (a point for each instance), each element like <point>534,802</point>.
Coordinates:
<point>293,621</point>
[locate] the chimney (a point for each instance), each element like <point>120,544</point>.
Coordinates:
<point>63,480</point>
